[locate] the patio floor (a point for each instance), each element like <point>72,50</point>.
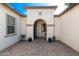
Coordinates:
<point>39,47</point>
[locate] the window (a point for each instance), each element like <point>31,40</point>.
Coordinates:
<point>10,24</point>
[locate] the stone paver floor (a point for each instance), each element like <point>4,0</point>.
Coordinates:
<point>39,47</point>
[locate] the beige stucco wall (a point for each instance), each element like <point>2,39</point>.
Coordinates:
<point>24,22</point>
<point>24,25</point>
<point>47,16</point>
<point>57,27</point>
<point>69,28</point>
<point>8,41</point>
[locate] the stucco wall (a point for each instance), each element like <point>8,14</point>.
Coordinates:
<point>8,41</point>
<point>57,28</point>
<point>24,22</point>
<point>46,15</point>
<point>23,28</point>
<point>69,28</point>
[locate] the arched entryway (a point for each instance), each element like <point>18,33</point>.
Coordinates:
<point>40,29</point>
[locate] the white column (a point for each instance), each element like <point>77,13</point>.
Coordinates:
<point>50,32</point>
<point>30,32</point>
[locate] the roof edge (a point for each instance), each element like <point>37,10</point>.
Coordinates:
<point>72,5</point>
<point>34,7</point>
<point>14,10</point>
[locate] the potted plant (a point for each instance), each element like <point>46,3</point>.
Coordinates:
<point>30,39</point>
<point>50,40</point>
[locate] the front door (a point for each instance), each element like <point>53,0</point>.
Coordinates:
<point>40,29</point>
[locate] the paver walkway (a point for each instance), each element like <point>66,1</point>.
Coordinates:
<point>39,47</point>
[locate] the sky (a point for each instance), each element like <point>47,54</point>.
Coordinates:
<point>19,7</point>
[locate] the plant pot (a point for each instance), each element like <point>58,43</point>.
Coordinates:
<point>29,39</point>
<point>49,40</point>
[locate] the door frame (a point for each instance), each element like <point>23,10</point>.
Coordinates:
<point>35,30</point>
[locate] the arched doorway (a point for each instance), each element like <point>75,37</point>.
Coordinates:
<point>40,29</point>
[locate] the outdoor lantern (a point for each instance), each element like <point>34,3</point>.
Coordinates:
<point>50,40</point>
<point>29,39</point>
<point>54,38</point>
